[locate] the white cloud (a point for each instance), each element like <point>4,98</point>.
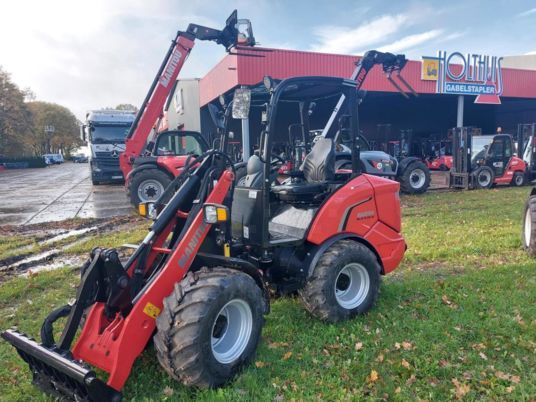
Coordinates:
<point>527,13</point>
<point>336,39</point>
<point>532,52</point>
<point>410,41</point>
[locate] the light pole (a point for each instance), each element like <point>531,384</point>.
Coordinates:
<point>49,130</point>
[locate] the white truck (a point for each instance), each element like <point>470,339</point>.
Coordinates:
<point>105,132</point>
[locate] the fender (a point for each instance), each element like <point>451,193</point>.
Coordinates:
<point>405,162</point>
<point>316,251</point>
<point>148,163</point>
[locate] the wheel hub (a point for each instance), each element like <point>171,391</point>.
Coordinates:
<point>484,179</point>
<point>150,190</point>
<point>352,286</point>
<point>417,178</point>
<point>231,331</point>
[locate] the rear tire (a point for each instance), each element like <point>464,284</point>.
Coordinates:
<point>483,177</point>
<point>147,186</point>
<point>415,178</point>
<point>518,180</point>
<point>345,282</point>
<point>209,327</point>
<point>528,235</point>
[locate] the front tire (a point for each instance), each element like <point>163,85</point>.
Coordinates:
<point>345,282</point>
<point>415,178</point>
<point>483,178</point>
<point>147,186</point>
<point>528,235</point>
<point>209,327</point>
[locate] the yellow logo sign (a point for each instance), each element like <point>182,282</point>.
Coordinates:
<point>429,69</point>
<point>151,310</point>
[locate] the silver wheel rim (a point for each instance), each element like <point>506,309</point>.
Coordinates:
<point>231,331</point>
<point>352,286</point>
<point>150,190</point>
<point>417,178</point>
<point>528,227</point>
<point>518,180</point>
<point>484,178</point>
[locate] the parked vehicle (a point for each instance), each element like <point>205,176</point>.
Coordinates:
<point>105,132</point>
<point>80,158</point>
<point>53,159</point>
<point>198,283</point>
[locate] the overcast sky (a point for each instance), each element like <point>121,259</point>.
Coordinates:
<point>97,53</point>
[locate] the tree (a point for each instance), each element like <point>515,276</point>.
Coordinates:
<point>14,118</point>
<point>65,135</point>
<point>126,106</point>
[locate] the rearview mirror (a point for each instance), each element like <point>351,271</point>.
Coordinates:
<point>83,132</point>
<point>216,116</point>
<point>241,103</point>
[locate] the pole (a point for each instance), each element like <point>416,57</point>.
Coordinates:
<point>245,138</point>
<point>459,116</point>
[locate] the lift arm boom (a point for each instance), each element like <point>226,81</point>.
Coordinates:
<point>390,63</point>
<point>166,76</point>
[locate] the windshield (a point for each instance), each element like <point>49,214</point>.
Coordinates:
<point>103,134</point>
<point>480,147</point>
<point>173,143</point>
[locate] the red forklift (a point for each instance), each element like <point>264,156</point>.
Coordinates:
<point>482,161</point>
<point>152,158</point>
<point>199,283</point>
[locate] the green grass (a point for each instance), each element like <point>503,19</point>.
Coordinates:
<point>456,320</point>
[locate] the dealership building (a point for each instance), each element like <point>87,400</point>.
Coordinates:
<point>453,90</point>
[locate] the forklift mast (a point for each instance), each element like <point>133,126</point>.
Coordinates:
<point>526,145</point>
<point>236,32</point>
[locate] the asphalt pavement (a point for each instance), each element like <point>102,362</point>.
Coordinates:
<point>55,193</point>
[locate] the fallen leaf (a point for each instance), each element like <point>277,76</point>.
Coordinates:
<point>358,346</point>
<point>373,376</point>
<point>460,389</point>
<point>397,346</point>
<point>411,379</point>
<point>405,363</point>
<point>510,389</point>
<point>467,375</point>
<point>446,300</point>
<point>483,356</point>
<point>502,376</point>
<point>168,391</point>
<point>443,363</point>
<point>273,345</point>
<point>398,390</point>
<point>260,364</point>
<point>379,359</point>
<point>407,345</point>
<point>287,355</point>
<point>515,379</point>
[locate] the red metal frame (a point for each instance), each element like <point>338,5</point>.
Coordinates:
<point>515,164</point>
<point>114,345</point>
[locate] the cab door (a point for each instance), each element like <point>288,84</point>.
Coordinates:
<point>499,154</point>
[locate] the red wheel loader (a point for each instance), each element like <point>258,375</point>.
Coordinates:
<point>198,283</point>
<point>149,163</point>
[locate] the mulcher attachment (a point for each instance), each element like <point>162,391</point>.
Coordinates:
<point>59,375</point>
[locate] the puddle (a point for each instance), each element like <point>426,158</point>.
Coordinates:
<point>71,233</point>
<point>60,262</point>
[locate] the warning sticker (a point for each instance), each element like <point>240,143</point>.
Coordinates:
<point>151,310</point>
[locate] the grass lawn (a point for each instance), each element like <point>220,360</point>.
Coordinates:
<point>456,321</point>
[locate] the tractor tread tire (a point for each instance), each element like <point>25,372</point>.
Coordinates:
<point>404,178</point>
<point>318,294</point>
<point>477,172</point>
<point>530,248</point>
<point>181,341</point>
<point>137,178</point>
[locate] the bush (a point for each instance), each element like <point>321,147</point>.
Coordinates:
<point>23,162</point>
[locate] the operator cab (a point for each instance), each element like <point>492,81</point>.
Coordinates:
<point>288,208</point>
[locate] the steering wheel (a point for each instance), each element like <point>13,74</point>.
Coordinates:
<point>277,159</point>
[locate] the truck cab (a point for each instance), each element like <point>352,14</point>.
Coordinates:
<point>104,131</point>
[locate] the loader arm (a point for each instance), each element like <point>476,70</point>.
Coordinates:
<point>152,107</point>
<point>390,63</point>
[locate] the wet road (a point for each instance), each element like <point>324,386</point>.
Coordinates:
<point>56,193</point>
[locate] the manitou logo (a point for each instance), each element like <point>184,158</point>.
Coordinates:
<point>171,67</point>
<point>191,247</point>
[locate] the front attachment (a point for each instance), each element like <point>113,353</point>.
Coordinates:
<point>58,374</point>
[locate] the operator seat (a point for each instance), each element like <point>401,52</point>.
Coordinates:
<point>317,169</point>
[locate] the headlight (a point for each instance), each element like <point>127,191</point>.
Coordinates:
<point>214,213</point>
